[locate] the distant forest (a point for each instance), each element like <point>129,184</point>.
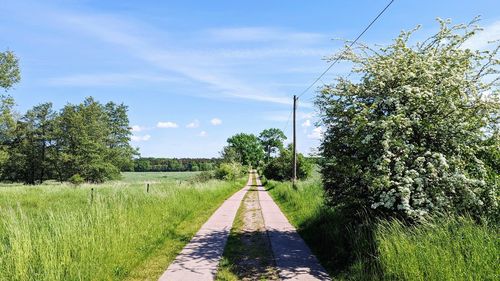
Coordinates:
<point>150,164</point>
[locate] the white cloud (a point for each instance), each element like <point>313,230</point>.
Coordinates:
<point>202,134</point>
<point>194,124</point>
<point>481,39</point>
<point>317,133</point>
<point>140,138</point>
<point>216,121</point>
<point>136,128</point>
<point>167,124</point>
<point>306,123</point>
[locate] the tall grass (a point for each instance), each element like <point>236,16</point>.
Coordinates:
<point>58,233</point>
<point>454,249</point>
<point>444,249</point>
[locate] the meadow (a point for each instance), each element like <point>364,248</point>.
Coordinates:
<point>451,248</point>
<point>117,231</point>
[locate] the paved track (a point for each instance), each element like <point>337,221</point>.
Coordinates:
<point>200,257</point>
<point>293,257</point>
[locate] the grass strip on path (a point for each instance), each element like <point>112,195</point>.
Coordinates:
<point>248,254</point>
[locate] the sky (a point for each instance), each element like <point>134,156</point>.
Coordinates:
<point>193,73</point>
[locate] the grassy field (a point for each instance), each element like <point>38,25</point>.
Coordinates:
<point>61,232</point>
<point>453,249</point>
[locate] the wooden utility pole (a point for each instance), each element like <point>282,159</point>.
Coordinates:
<point>294,178</point>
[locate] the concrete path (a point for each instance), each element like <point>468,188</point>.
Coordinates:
<point>200,257</point>
<point>293,257</point>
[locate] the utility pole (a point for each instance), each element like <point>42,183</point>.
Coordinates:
<point>294,178</point>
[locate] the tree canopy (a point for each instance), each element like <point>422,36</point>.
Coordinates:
<point>245,149</point>
<point>9,75</point>
<point>88,139</point>
<point>272,141</point>
<point>9,70</point>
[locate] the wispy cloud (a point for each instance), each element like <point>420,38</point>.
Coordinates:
<point>107,79</point>
<point>269,52</point>
<point>202,134</point>
<point>194,124</point>
<point>283,116</point>
<point>261,34</point>
<point>167,124</point>
<point>216,121</point>
<point>198,67</point>
<point>136,138</point>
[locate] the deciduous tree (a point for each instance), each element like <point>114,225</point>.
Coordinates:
<point>246,148</point>
<point>272,141</point>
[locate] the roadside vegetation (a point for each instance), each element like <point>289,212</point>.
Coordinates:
<point>119,230</point>
<point>409,163</point>
<point>448,248</point>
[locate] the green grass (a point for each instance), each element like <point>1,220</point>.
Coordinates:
<point>226,269</point>
<point>446,249</point>
<point>456,249</point>
<point>55,232</point>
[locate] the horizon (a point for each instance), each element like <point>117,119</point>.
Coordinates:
<point>192,77</point>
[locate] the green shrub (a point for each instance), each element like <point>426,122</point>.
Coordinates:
<point>263,180</point>
<point>76,179</point>
<point>99,172</point>
<point>229,171</point>
<point>204,176</point>
<point>280,168</point>
<point>407,139</point>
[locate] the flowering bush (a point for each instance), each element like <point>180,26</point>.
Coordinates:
<point>418,132</point>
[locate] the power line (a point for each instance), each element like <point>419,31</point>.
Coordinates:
<point>352,43</point>
<point>287,122</point>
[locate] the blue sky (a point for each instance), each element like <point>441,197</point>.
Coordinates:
<point>194,73</point>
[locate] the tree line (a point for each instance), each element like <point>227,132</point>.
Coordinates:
<point>151,164</point>
<point>88,140</point>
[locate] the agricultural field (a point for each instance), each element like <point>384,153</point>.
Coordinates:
<point>59,231</point>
